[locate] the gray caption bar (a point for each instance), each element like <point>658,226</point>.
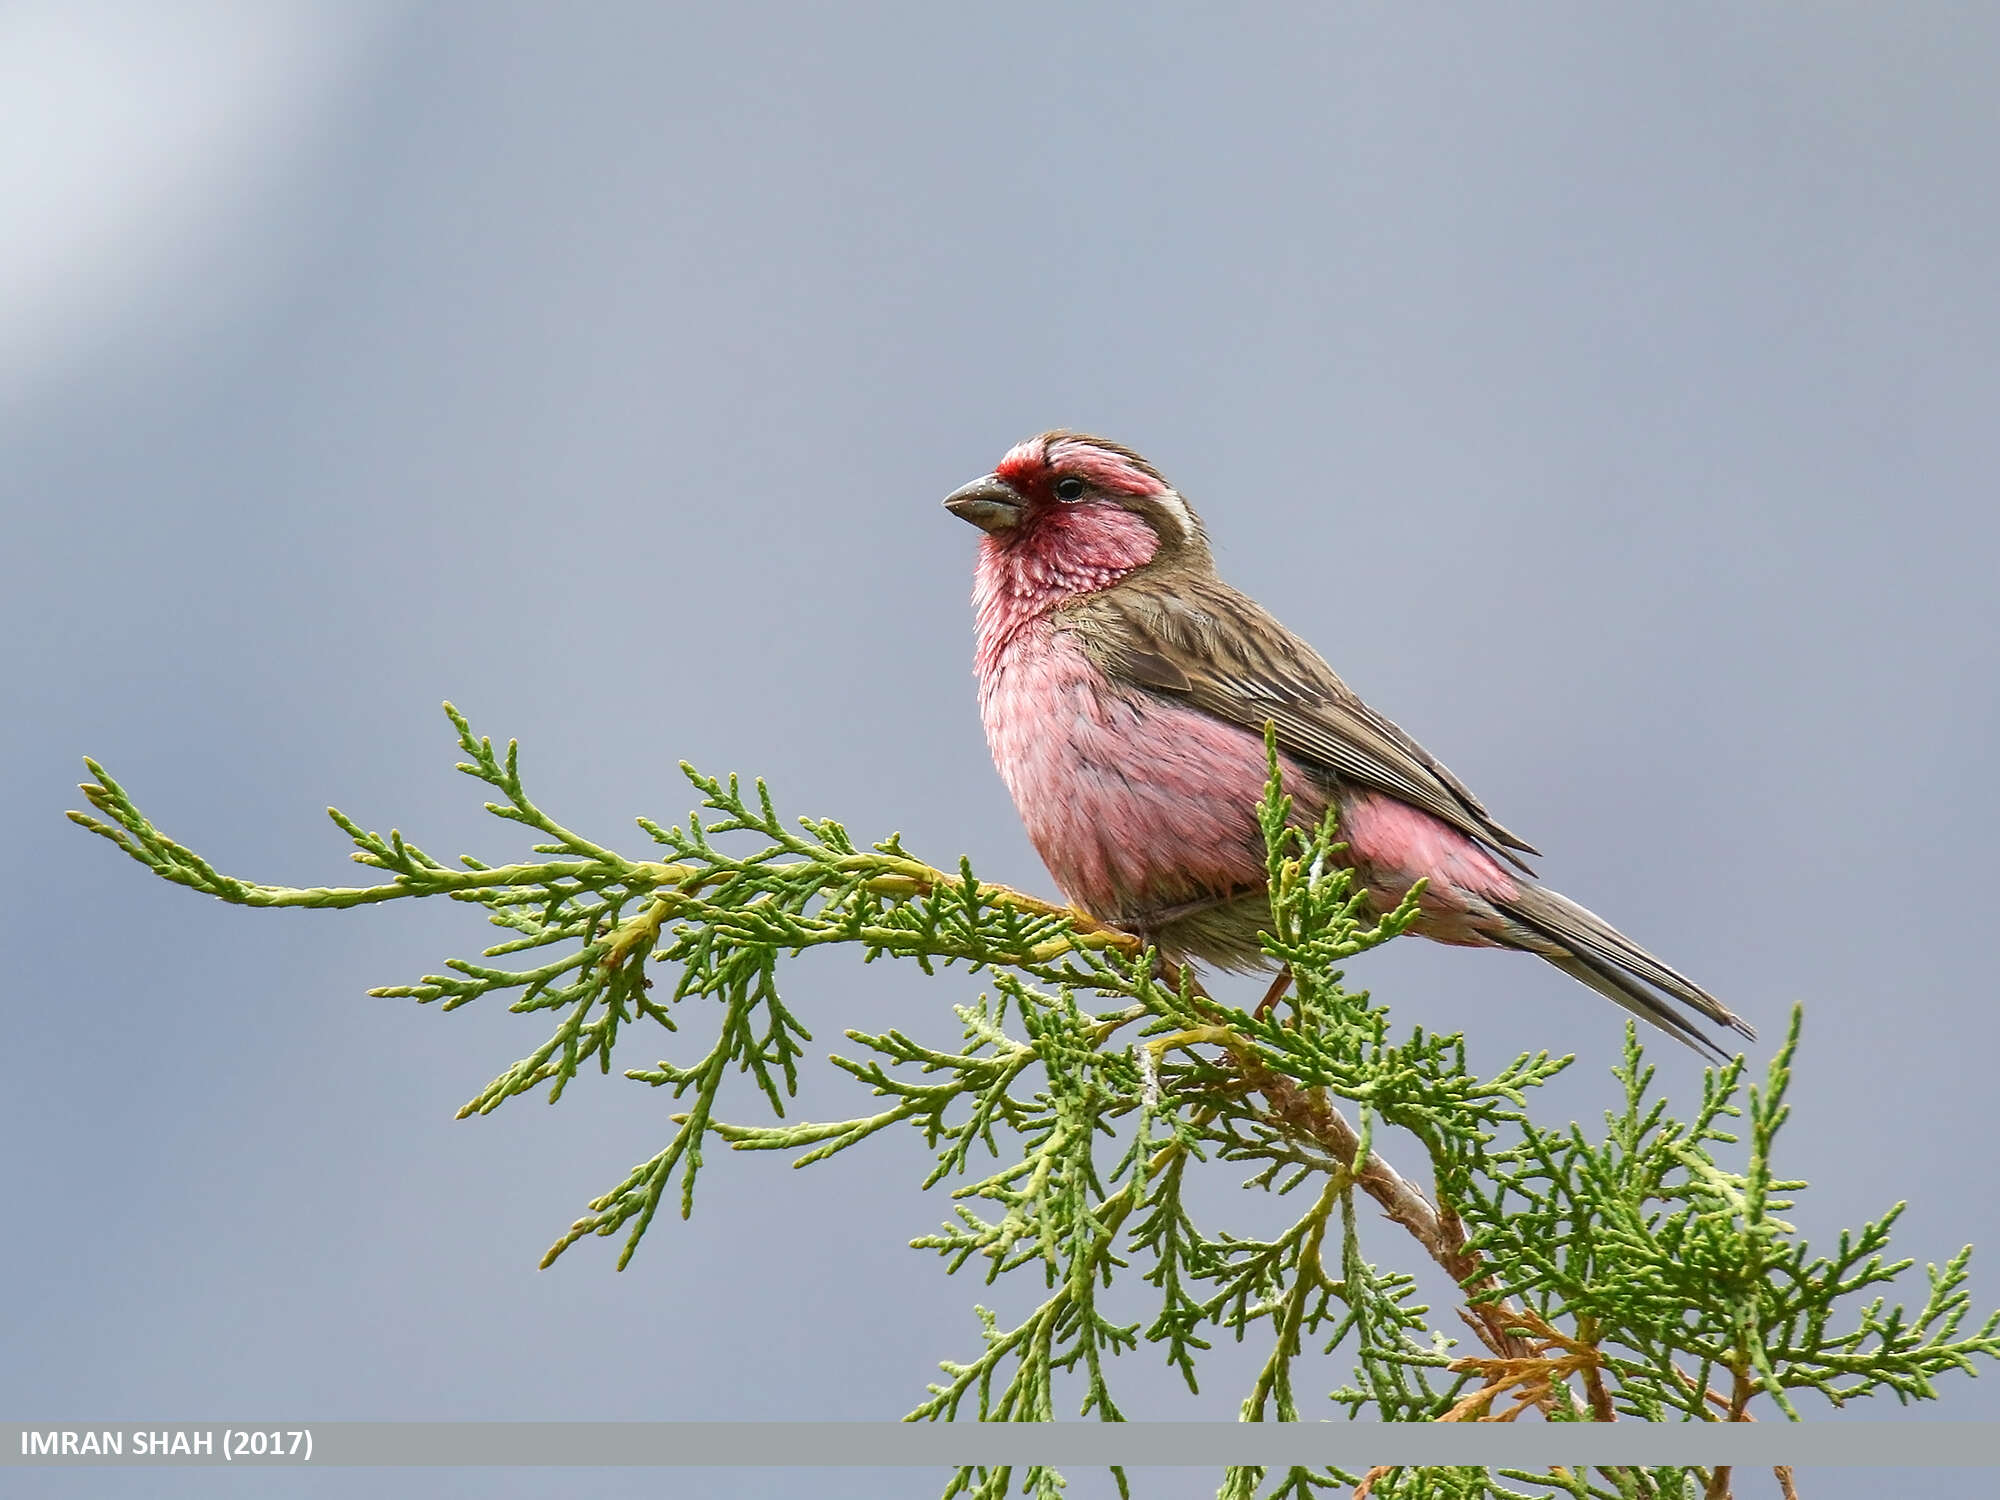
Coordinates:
<point>1354,1446</point>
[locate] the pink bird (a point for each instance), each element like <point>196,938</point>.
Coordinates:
<point>1125,689</point>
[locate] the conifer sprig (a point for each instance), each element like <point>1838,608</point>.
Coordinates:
<point>1645,1273</point>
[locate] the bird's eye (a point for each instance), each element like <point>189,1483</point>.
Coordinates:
<point>1069,489</point>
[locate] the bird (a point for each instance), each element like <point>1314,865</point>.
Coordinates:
<point>1126,691</point>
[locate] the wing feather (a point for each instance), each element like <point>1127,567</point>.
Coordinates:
<point>1223,653</point>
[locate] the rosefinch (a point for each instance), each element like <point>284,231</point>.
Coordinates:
<point>1125,689</point>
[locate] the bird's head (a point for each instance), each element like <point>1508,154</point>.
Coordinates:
<point>1079,508</point>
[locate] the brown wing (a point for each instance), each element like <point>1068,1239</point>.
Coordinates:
<point>1223,653</point>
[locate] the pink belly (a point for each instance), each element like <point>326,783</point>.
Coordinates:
<point>1132,801</point>
<point>1136,802</point>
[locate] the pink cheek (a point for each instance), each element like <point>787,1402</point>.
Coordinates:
<point>1108,535</point>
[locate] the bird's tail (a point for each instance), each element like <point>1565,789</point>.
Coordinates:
<point>1589,949</point>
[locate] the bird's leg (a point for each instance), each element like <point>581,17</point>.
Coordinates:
<point>1275,993</point>
<point>1148,923</point>
<point>1145,922</point>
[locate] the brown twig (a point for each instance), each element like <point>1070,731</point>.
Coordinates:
<point>1739,1397</point>
<point>1519,1360</point>
<point>1593,1373</point>
<point>1535,1374</point>
<point>1307,1112</point>
<point>1275,993</point>
<point>1785,1486</point>
<point>1713,1397</point>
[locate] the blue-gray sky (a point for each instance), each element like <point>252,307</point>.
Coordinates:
<point>1608,391</point>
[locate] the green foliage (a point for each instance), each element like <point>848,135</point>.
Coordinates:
<point>1632,1275</point>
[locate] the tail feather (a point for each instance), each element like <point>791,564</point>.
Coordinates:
<point>1621,989</point>
<point>1597,954</point>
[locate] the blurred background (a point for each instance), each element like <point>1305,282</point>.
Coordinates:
<point>1608,391</point>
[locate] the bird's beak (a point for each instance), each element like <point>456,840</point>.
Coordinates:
<point>989,502</point>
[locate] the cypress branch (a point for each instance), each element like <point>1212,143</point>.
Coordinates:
<point>1636,1275</point>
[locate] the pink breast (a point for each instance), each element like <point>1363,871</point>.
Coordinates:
<point>1132,801</point>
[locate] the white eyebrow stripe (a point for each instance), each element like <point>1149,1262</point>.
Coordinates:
<point>1177,508</point>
